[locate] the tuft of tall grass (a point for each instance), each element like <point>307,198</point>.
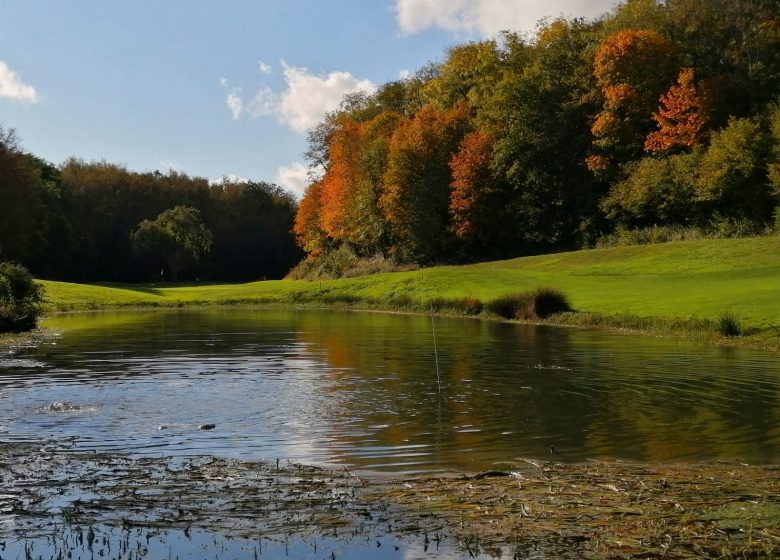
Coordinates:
<point>729,324</point>
<point>538,304</point>
<point>465,305</point>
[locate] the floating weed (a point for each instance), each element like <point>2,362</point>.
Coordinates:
<point>592,510</point>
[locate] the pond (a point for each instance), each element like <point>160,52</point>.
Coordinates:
<point>361,390</point>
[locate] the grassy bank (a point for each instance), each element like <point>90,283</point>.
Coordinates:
<point>681,288</point>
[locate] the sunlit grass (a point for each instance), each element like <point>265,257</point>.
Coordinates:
<point>697,279</point>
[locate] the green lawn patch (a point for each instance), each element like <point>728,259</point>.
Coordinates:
<point>687,282</point>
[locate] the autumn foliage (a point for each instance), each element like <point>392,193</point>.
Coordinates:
<point>682,117</point>
<point>472,183</point>
<point>632,68</point>
<point>339,182</point>
<point>307,227</point>
<point>641,118</point>
<point>415,200</point>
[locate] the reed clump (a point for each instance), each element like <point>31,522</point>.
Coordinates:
<point>728,324</point>
<point>465,306</point>
<point>538,304</point>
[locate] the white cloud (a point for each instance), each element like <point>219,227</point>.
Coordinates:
<point>309,96</point>
<point>265,103</point>
<point>235,103</point>
<point>489,17</point>
<point>294,178</point>
<point>168,165</point>
<point>404,74</point>
<point>12,86</point>
<point>228,179</point>
<point>264,68</point>
<point>306,99</point>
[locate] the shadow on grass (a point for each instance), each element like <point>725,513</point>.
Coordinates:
<point>157,289</point>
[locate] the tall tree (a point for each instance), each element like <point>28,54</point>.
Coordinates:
<point>732,176</point>
<point>468,74</point>
<point>632,68</point>
<point>23,211</point>
<point>307,227</point>
<point>415,201</point>
<point>682,116</point>
<point>176,239</point>
<point>540,116</point>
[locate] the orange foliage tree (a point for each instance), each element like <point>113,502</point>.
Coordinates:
<point>306,228</point>
<point>339,182</point>
<point>416,195</point>
<point>632,68</point>
<point>472,185</point>
<point>681,117</point>
<point>357,153</point>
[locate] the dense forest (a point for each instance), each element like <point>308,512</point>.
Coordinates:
<point>98,221</point>
<point>660,114</point>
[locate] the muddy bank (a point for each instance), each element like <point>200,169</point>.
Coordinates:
<point>593,510</point>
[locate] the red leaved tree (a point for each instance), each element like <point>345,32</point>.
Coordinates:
<point>472,185</point>
<point>632,68</point>
<point>681,118</point>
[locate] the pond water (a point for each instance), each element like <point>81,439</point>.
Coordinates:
<point>360,390</point>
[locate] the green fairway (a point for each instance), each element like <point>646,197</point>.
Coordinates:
<point>701,278</point>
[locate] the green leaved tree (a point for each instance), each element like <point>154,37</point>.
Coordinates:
<point>176,240</point>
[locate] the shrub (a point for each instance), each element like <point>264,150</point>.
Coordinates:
<point>719,228</point>
<point>20,299</point>
<point>505,306</point>
<point>470,305</point>
<point>729,324</point>
<point>725,227</point>
<point>342,262</point>
<point>539,304</point>
<point>544,302</point>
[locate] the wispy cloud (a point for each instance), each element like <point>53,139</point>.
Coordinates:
<point>168,165</point>
<point>264,68</point>
<point>306,99</point>
<point>234,102</point>
<point>294,178</point>
<point>227,179</point>
<point>12,86</point>
<point>489,17</point>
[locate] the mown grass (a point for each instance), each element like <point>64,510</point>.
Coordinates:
<point>687,285</point>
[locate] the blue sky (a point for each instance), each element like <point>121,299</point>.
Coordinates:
<point>219,88</point>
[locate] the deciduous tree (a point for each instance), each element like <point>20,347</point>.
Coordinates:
<point>632,68</point>
<point>415,201</point>
<point>176,239</point>
<point>682,116</point>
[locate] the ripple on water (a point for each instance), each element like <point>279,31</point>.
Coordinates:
<point>65,406</point>
<point>13,363</point>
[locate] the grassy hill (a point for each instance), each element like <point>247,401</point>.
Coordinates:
<point>701,278</point>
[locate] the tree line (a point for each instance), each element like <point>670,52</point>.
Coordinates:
<point>97,221</point>
<point>660,113</point>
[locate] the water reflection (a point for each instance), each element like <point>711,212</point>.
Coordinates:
<point>360,389</point>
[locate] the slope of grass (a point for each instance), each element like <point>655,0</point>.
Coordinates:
<point>700,278</point>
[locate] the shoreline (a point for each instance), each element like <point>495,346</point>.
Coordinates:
<point>692,329</point>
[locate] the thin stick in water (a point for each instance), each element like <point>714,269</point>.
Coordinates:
<point>435,350</point>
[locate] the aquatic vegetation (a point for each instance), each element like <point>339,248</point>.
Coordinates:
<point>591,510</point>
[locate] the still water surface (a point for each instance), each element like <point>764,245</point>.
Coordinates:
<point>360,390</point>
